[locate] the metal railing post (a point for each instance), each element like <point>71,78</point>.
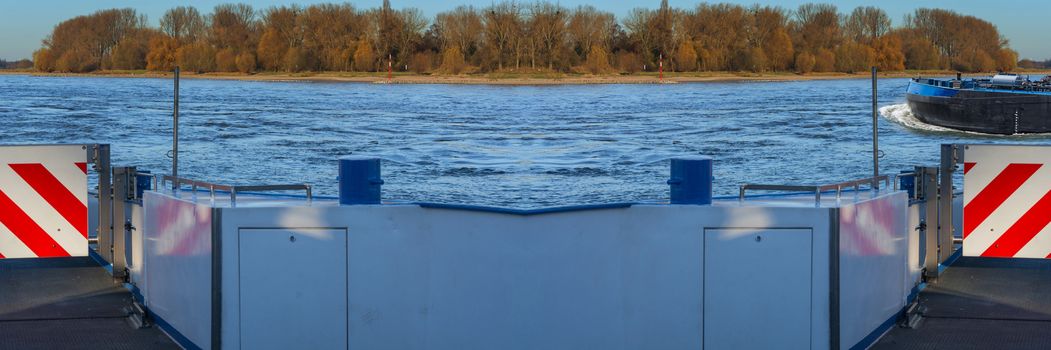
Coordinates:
<point>175,129</point>
<point>123,190</point>
<point>927,190</point>
<point>875,134</point>
<point>105,229</point>
<point>949,158</point>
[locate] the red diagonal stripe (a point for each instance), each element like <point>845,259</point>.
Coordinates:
<point>994,194</point>
<point>56,194</point>
<point>26,230</point>
<point>83,167</point>
<point>1022,231</point>
<point>966,167</point>
<point>2,256</point>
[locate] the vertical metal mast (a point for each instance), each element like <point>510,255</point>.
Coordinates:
<point>875,135</point>
<point>175,132</point>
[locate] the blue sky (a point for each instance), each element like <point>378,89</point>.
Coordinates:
<point>24,23</point>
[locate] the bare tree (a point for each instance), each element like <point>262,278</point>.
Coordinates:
<point>866,24</point>
<point>503,23</point>
<point>640,32</point>
<point>183,23</point>
<point>818,27</point>
<point>410,33</point>
<point>233,26</point>
<point>588,27</point>
<point>548,24</point>
<point>461,28</point>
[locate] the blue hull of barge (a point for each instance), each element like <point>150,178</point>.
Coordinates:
<point>977,109</point>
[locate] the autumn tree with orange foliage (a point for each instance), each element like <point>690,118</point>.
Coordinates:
<point>161,54</point>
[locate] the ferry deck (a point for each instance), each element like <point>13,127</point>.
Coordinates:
<point>872,263</point>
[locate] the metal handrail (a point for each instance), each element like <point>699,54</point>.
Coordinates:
<point>233,190</point>
<point>856,184</point>
<point>290,187</point>
<point>817,190</point>
<point>763,187</point>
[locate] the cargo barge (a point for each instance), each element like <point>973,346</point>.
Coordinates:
<point>1005,104</point>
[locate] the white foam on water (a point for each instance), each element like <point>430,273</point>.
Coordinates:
<point>902,114</point>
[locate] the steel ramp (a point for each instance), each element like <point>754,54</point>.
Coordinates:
<point>67,303</point>
<point>983,303</point>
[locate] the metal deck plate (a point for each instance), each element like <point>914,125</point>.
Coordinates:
<point>982,303</point>
<point>67,303</point>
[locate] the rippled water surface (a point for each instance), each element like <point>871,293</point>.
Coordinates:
<point>525,146</point>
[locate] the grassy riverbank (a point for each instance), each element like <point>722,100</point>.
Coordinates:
<point>506,78</point>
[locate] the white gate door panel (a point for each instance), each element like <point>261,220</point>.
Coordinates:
<point>293,288</point>
<point>43,201</point>
<point>757,288</point>
<point>1007,201</point>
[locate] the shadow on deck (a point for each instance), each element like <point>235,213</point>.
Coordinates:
<point>983,303</point>
<point>72,303</point>
<point>67,303</point>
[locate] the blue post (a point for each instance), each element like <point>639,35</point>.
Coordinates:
<point>143,180</point>
<point>691,180</point>
<point>908,183</point>
<point>359,180</point>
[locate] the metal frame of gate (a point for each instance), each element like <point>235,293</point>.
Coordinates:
<point>944,242</point>
<point>114,186</point>
<point>99,156</point>
<point>951,155</point>
<point>934,191</point>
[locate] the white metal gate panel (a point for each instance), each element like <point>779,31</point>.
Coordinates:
<point>43,201</point>
<point>758,288</point>
<point>1007,201</point>
<point>293,288</point>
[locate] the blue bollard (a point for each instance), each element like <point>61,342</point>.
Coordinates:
<point>143,182</point>
<point>908,183</point>
<point>359,180</point>
<point>691,180</point>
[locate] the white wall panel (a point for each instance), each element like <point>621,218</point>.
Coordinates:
<point>178,264</point>
<point>873,264</point>
<point>439,278</point>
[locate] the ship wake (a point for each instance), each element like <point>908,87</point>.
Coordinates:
<point>901,114</point>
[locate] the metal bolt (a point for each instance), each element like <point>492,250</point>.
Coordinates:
<point>758,238</point>
<point>291,238</point>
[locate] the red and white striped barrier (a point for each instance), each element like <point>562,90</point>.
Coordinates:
<point>1007,201</point>
<point>43,201</point>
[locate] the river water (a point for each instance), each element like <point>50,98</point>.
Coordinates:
<point>512,146</point>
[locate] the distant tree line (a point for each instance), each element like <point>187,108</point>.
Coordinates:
<point>1031,64</point>
<point>20,64</point>
<point>525,37</point>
